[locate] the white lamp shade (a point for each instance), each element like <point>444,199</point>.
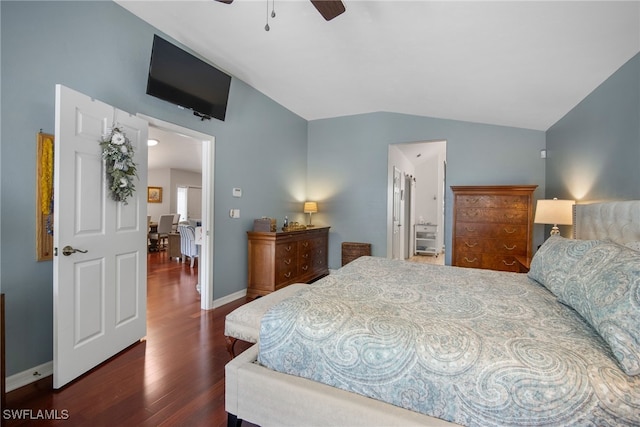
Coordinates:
<point>557,212</point>
<point>310,207</point>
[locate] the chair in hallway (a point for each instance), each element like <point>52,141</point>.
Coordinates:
<point>164,228</point>
<point>188,245</point>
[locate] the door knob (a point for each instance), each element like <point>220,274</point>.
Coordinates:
<point>68,250</point>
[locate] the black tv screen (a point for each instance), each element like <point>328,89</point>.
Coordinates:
<point>178,77</point>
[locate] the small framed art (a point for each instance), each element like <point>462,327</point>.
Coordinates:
<point>154,194</point>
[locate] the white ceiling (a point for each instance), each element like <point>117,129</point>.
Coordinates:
<point>511,63</point>
<point>174,151</point>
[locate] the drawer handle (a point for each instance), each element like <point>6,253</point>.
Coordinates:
<point>510,248</point>
<point>509,216</point>
<point>287,261</point>
<point>471,245</point>
<point>510,231</point>
<point>470,260</point>
<point>288,248</point>
<point>305,267</point>
<point>287,275</point>
<point>305,255</point>
<point>470,228</point>
<point>509,263</point>
<point>305,244</point>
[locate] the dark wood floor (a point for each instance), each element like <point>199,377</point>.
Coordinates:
<point>173,378</point>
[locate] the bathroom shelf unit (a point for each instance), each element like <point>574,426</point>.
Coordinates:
<point>425,239</point>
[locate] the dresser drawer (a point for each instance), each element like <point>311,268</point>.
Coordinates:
<point>468,259</point>
<point>490,215</point>
<point>286,250</point>
<point>484,230</point>
<point>506,247</point>
<point>489,261</point>
<point>285,272</point>
<point>472,244</point>
<point>286,261</point>
<point>501,262</point>
<point>320,259</point>
<point>492,201</point>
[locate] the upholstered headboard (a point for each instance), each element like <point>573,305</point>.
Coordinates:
<point>617,221</point>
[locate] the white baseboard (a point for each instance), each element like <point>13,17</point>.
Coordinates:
<point>34,374</point>
<point>29,376</point>
<point>229,298</point>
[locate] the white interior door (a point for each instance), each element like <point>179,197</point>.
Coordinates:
<point>408,217</point>
<point>99,294</point>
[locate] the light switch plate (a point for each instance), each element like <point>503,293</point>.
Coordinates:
<point>234,213</point>
<point>237,192</point>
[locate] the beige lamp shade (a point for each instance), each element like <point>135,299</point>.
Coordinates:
<point>310,207</point>
<point>556,212</point>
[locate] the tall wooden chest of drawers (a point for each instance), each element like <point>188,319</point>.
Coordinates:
<point>280,259</point>
<point>492,225</point>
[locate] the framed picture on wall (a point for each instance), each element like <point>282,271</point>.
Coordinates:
<point>154,194</point>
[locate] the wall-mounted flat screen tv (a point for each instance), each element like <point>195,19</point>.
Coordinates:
<point>178,77</point>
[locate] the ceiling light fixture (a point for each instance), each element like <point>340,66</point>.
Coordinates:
<point>152,142</point>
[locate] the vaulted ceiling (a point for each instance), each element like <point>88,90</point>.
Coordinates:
<point>512,63</point>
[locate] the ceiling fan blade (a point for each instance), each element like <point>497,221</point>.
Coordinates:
<point>225,1</point>
<point>329,9</point>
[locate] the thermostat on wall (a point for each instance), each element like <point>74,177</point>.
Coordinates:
<point>237,192</point>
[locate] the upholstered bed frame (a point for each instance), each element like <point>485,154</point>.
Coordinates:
<point>617,221</point>
<point>268,398</point>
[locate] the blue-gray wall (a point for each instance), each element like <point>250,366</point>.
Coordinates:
<point>277,158</point>
<point>347,169</point>
<point>594,151</point>
<point>102,50</point>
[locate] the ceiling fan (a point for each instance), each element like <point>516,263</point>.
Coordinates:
<point>329,9</point>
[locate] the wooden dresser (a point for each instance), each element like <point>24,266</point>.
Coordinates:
<point>492,225</point>
<point>280,259</point>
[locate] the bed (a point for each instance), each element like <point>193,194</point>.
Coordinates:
<point>385,342</point>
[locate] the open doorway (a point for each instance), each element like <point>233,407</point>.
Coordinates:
<point>190,157</point>
<point>419,169</point>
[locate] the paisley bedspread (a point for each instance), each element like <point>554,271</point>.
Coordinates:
<point>475,347</point>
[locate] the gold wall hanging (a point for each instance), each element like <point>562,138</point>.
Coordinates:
<point>44,197</point>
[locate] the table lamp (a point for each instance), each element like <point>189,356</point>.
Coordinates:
<point>554,212</point>
<point>310,208</point>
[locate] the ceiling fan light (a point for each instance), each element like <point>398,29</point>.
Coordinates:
<point>152,142</point>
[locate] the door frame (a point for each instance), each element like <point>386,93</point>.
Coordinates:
<point>397,214</point>
<point>409,210</point>
<point>410,168</point>
<point>205,268</point>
